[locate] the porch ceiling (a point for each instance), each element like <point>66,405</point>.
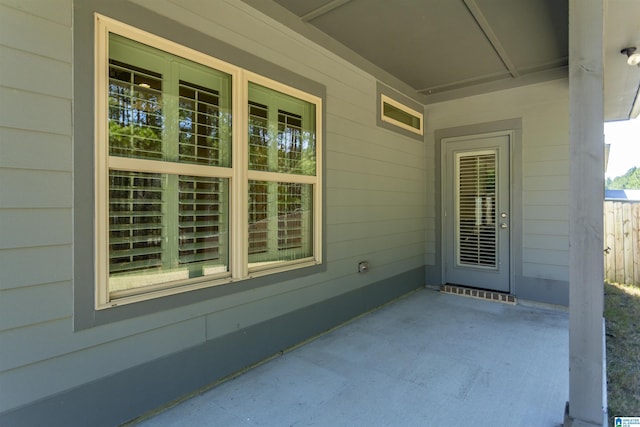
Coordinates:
<point>447,49</point>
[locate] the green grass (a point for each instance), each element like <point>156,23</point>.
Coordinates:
<point>622,314</point>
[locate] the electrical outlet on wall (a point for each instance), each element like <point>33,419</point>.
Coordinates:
<point>363,266</point>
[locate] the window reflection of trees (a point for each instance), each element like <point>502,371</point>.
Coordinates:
<point>141,204</point>
<point>259,137</point>
<point>135,111</point>
<point>199,125</point>
<point>279,213</point>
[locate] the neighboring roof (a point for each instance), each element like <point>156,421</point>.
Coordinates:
<point>621,195</point>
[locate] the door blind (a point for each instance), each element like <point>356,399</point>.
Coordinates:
<point>476,210</point>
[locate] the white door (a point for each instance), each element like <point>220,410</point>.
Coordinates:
<point>476,211</point>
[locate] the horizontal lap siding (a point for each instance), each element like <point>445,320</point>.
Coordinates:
<point>35,192</point>
<point>13,302</point>
<point>546,194</point>
<point>42,32</point>
<point>33,150</point>
<point>41,378</point>
<point>545,166</point>
<point>27,227</point>
<point>19,266</point>
<point>35,161</point>
<point>28,190</point>
<point>375,201</point>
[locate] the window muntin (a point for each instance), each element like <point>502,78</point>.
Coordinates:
<point>396,113</point>
<point>171,180</point>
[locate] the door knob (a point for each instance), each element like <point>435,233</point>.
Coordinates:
<point>503,225</point>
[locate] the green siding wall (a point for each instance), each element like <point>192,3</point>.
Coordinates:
<point>375,202</point>
<point>542,261</point>
<point>380,192</point>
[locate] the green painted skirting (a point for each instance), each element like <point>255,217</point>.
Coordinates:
<point>121,397</point>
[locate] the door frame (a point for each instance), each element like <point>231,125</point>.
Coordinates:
<point>435,273</point>
<point>448,179</point>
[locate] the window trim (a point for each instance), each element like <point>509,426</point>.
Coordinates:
<point>238,173</point>
<point>384,99</point>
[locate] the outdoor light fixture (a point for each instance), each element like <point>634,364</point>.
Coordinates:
<point>633,57</point>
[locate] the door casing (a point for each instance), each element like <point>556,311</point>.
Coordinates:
<point>446,174</point>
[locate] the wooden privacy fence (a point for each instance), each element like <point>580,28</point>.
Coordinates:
<point>622,242</point>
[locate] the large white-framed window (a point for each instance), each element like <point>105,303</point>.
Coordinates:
<point>206,173</point>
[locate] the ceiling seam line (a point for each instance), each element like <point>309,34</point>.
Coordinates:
<point>322,10</point>
<point>484,25</point>
<point>467,82</point>
<point>489,78</point>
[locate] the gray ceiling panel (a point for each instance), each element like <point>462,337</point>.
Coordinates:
<point>302,7</point>
<point>533,33</point>
<point>448,49</point>
<point>425,44</point>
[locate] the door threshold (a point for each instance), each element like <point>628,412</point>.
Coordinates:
<point>479,294</point>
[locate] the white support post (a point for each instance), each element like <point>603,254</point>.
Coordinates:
<point>586,270</point>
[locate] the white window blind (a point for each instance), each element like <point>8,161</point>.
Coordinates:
<point>135,221</point>
<point>203,222</point>
<point>179,189</point>
<point>477,192</point>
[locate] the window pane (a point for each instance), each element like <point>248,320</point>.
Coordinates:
<point>205,134</point>
<point>135,112</point>
<point>203,223</point>
<point>290,137</point>
<point>258,137</point>
<point>258,218</point>
<point>136,228</point>
<point>282,132</point>
<point>280,221</point>
<point>164,228</point>
<point>165,107</point>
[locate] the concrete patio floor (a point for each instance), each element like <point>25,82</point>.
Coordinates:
<point>428,359</point>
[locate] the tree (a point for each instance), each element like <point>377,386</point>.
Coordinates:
<point>628,181</point>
